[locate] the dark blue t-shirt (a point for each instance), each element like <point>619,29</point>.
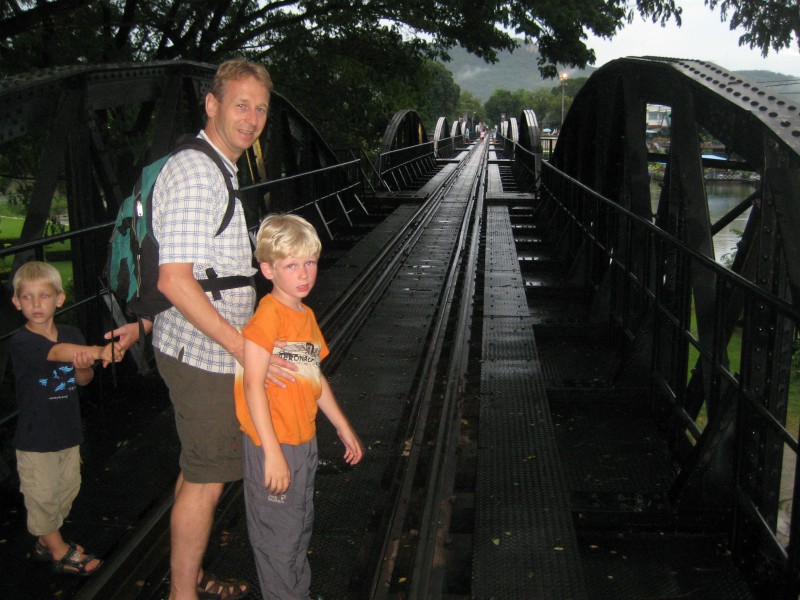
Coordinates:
<point>47,394</point>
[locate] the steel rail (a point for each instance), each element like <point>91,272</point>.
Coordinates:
<point>427,581</point>
<point>405,486</point>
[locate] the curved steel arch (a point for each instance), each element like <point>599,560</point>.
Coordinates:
<point>603,134</point>
<point>530,134</point>
<point>117,118</point>
<point>440,132</point>
<point>404,130</point>
<point>530,138</point>
<point>510,133</point>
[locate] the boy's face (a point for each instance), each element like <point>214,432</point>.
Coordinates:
<point>38,301</point>
<point>292,278</point>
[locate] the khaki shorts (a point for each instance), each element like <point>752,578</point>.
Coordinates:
<point>205,417</point>
<point>49,481</point>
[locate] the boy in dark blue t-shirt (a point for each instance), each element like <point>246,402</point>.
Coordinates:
<point>50,361</point>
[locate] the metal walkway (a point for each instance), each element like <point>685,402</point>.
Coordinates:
<point>568,474</point>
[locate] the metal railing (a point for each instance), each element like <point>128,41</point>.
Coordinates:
<point>327,197</point>
<point>407,168</point>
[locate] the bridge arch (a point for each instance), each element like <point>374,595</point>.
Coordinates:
<point>603,144</point>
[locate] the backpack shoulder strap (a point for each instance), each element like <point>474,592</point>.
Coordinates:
<point>200,144</point>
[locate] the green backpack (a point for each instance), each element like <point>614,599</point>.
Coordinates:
<point>132,265</point>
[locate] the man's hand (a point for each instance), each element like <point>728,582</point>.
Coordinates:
<point>112,352</point>
<point>128,334</point>
<point>280,369</point>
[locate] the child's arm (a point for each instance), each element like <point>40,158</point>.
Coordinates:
<point>83,357</point>
<point>65,352</point>
<point>353,448</point>
<point>256,364</point>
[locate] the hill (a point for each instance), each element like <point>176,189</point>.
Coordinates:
<point>513,71</point>
<point>517,70</point>
<point>774,83</point>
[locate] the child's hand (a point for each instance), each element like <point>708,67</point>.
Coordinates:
<point>353,448</point>
<point>276,474</point>
<point>82,359</point>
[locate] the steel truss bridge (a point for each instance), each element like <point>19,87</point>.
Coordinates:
<point>563,394</point>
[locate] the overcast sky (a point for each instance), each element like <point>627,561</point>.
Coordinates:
<point>702,37</point>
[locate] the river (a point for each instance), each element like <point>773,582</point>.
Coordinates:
<point>722,197</point>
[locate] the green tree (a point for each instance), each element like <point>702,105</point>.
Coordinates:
<point>345,65</point>
<point>438,93</point>
<point>503,102</point>
<point>547,107</point>
<point>470,106</point>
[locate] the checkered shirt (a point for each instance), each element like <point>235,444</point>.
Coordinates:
<point>189,202</point>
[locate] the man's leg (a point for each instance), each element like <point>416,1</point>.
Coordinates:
<point>191,520</point>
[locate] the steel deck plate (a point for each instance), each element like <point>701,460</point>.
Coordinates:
<point>525,545</point>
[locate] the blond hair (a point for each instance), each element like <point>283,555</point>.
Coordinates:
<point>37,270</point>
<point>238,68</point>
<point>280,236</point>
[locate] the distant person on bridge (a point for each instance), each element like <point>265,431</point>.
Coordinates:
<point>280,445</point>
<point>198,341</point>
<point>50,362</point>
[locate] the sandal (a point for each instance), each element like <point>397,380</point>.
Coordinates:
<point>211,587</point>
<point>41,553</point>
<point>74,563</point>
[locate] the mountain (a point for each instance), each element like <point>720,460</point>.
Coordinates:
<point>774,83</point>
<point>513,71</point>
<point>517,70</point>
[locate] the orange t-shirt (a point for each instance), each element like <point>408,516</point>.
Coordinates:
<point>294,408</point>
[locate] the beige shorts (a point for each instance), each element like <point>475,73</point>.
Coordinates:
<point>49,481</point>
<point>205,417</point>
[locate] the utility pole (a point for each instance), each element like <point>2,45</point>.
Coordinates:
<point>563,77</point>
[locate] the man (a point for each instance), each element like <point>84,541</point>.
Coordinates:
<point>197,341</point>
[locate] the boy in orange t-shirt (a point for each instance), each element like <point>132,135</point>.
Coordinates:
<point>280,444</point>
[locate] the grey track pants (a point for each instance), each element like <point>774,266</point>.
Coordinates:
<point>279,527</point>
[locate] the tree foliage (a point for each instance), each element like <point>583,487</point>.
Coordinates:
<point>470,106</point>
<point>545,102</point>
<point>348,65</point>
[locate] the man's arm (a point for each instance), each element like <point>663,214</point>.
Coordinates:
<point>176,281</point>
<point>279,369</point>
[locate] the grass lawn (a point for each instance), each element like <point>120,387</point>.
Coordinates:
<point>10,230</point>
<point>734,356</point>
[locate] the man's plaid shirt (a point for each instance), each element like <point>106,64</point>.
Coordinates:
<point>189,201</point>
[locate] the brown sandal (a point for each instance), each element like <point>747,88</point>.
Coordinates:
<point>211,587</point>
